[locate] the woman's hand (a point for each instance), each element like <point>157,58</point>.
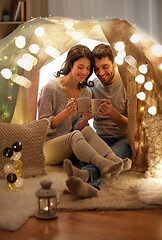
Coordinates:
<point>71,106</point>
<point>88,116</point>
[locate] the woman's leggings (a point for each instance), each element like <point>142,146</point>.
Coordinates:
<point>84,144</point>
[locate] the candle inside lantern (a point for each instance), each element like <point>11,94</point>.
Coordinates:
<point>47,201</point>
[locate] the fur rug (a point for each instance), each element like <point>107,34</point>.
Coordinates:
<point>129,190</point>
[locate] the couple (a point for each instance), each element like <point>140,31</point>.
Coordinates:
<point>69,132</point>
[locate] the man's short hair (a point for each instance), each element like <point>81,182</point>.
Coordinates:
<point>103,50</point>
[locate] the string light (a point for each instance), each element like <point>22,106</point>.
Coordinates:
<point>119,60</point>
<point>130,60</point>
<point>34,48</point>
<point>148,86</point>
<point>22,81</point>
<point>20,42</point>
<point>119,46</point>
<point>53,52</point>
<point>157,50</point>
<point>77,35</point>
<point>135,38</point>
<point>152,110</point>
<point>121,54</point>
<point>141,96</point>
<point>140,78</point>
<point>68,24</point>
<point>143,69</point>
<point>160,66</point>
<point>39,31</point>
<point>6,73</point>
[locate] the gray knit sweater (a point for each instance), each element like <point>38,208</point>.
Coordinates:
<point>53,101</point>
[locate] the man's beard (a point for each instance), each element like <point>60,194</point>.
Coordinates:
<point>111,76</point>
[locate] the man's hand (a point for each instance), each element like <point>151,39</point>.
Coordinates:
<point>106,107</point>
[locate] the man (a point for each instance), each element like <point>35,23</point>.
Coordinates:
<point>111,121</point>
<point>110,124</point>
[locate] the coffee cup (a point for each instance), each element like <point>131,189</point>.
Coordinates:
<point>83,104</point>
<point>95,104</point>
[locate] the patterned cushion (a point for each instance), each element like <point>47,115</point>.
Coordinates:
<point>32,136</point>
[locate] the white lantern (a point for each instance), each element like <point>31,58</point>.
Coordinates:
<point>47,201</point>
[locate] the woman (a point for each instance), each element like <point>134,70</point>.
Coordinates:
<point>69,131</point>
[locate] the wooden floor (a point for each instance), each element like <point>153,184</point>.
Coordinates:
<point>95,225</point>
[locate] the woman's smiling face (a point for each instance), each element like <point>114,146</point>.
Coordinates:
<point>81,69</point>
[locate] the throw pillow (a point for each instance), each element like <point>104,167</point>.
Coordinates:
<point>32,136</point>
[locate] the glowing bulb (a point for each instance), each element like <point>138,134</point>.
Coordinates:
<point>157,50</point>
<point>39,31</point>
<point>10,98</point>
<point>34,48</point>
<point>130,60</point>
<point>24,64</point>
<point>152,110</point>
<point>53,52</point>
<point>160,66</point>
<point>19,182</point>
<point>140,78</point>
<point>5,57</point>
<point>70,31</point>
<point>135,38</point>
<point>22,81</point>
<point>119,60</point>
<point>119,46</point>
<point>141,96</point>
<point>8,167</point>
<point>77,35</point>
<point>121,54</point>
<point>20,42</point>
<point>143,68</point>
<point>148,86</point>
<point>132,69</point>
<point>142,109</point>
<point>68,24</point>
<point>28,58</point>
<point>6,73</point>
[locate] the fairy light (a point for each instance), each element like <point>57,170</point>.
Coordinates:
<point>142,109</point>
<point>68,24</point>
<point>157,50</point>
<point>70,31</point>
<point>141,96</point>
<point>135,38</point>
<point>34,48</point>
<point>119,60</point>
<point>148,86</point>
<point>121,54</point>
<point>152,110</point>
<point>53,52</point>
<point>6,73</point>
<point>160,66</point>
<point>22,81</point>
<point>77,35</point>
<point>143,68</point>
<point>27,61</point>
<point>119,46</point>
<point>130,60</point>
<point>39,31</point>
<point>20,42</point>
<point>132,69</point>
<point>5,57</point>
<point>140,78</point>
